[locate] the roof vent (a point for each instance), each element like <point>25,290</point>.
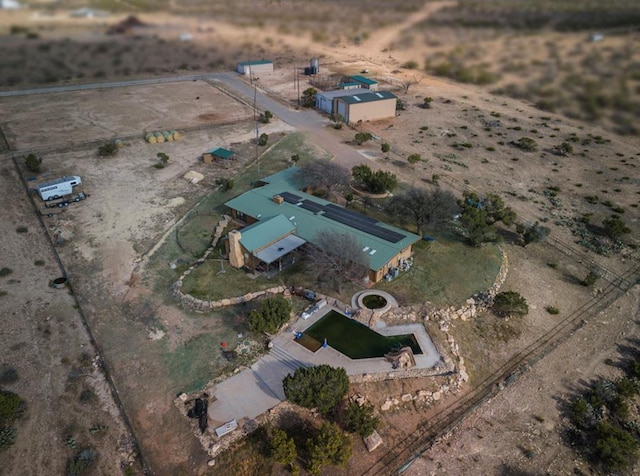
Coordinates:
<point>279,199</point>
<point>365,249</point>
<point>379,95</point>
<point>372,252</point>
<point>357,98</point>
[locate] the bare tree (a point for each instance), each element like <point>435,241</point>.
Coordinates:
<point>338,258</point>
<point>407,83</point>
<point>422,207</point>
<point>325,173</point>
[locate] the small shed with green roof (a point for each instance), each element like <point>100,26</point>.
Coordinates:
<point>365,82</point>
<point>218,154</point>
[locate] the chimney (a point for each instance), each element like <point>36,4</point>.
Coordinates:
<point>236,257</point>
<point>278,199</point>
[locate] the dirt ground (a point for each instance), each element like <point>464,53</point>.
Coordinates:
<point>102,240</point>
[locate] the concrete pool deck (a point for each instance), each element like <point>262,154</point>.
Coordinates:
<point>256,390</point>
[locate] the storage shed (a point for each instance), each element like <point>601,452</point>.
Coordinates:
<point>218,154</point>
<point>368,106</point>
<point>365,82</point>
<point>254,67</point>
<point>326,101</point>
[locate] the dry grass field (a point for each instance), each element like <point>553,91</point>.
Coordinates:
<point>491,83</point>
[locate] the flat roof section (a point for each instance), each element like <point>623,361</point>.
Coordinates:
<point>280,248</point>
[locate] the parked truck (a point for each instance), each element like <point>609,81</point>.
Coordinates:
<point>58,188</point>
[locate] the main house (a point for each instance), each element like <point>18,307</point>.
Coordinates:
<point>358,105</point>
<point>280,219</point>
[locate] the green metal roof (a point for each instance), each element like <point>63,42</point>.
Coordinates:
<point>367,97</point>
<point>254,62</point>
<point>264,232</point>
<point>363,80</point>
<point>259,203</point>
<point>221,152</point>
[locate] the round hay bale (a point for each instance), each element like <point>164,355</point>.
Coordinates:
<point>166,134</point>
<point>176,135</point>
<point>160,138</point>
<point>169,138</point>
<point>151,139</point>
<point>157,133</point>
<point>148,136</point>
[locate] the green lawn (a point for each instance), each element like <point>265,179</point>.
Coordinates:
<point>446,272</point>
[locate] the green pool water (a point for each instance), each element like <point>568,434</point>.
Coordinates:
<point>356,340</point>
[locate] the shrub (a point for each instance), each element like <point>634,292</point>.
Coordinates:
<point>39,262</point>
<point>5,272</point>
<point>87,396</point>
<point>225,184</point>
<point>590,279</point>
<point>11,406</point>
<point>552,310</point>
<point>164,160</point>
<point>7,436</point>
<point>385,147</point>
<point>263,139</point>
<point>362,137</point>
<point>526,144</point>
<point>510,303</point>
<point>266,117</point>
<point>379,181</point>
<point>108,150</point>
<point>414,159</point>
<point>33,163</point>
<point>22,229</point>
<point>321,387</point>
<point>8,375</point>
<point>614,227</point>
<point>282,448</point>
<point>273,313</point>
<point>360,419</point>
<point>411,64</point>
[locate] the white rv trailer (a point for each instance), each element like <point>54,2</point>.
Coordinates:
<point>58,188</point>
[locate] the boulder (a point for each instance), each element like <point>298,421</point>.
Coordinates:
<point>436,396</point>
<point>386,405</point>
<point>372,441</point>
<point>407,397</point>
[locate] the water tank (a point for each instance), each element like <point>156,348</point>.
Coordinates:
<point>315,65</point>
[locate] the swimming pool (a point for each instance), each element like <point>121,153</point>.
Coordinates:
<point>353,339</point>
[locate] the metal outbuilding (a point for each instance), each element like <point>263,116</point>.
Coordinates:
<point>255,66</point>
<point>326,101</point>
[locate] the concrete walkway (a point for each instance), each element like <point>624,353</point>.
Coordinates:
<point>258,389</point>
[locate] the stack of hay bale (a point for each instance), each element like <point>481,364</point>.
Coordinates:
<point>162,136</point>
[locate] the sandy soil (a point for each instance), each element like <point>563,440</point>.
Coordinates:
<point>132,204</point>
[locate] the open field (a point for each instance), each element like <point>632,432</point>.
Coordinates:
<point>155,349</point>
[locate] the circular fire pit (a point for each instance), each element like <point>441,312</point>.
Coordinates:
<point>373,300</point>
